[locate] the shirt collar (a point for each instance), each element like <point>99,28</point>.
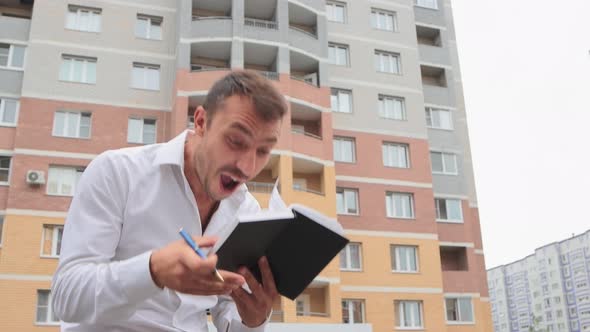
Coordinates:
<point>172,152</point>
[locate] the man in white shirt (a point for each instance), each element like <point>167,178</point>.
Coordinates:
<point>123,266</point>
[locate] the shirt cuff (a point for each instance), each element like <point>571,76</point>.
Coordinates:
<point>136,279</point>
<point>259,328</point>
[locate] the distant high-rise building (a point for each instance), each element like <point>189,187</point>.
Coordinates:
<point>546,291</point>
<point>376,137</point>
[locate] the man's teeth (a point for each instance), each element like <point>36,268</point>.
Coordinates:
<point>233,179</point>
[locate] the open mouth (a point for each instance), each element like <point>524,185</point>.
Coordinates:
<point>228,182</point>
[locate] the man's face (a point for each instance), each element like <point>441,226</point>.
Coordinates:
<point>235,146</point>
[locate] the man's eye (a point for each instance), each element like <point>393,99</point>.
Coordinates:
<point>263,152</point>
<point>234,142</point>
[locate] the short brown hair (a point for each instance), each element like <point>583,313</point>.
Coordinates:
<point>268,102</point>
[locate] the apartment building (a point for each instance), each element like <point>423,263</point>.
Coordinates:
<point>546,291</point>
<point>376,137</point>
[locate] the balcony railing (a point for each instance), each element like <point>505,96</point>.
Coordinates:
<point>297,188</point>
<point>295,131</point>
<point>312,35</point>
<point>264,24</point>
<point>312,314</point>
<point>277,316</point>
<point>260,187</point>
<point>197,67</point>
<point>271,75</point>
<point>199,18</point>
<point>306,80</point>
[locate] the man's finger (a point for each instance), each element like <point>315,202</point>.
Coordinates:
<point>205,241</point>
<point>232,278</point>
<point>268,281</point>
<point>254,285</point>
<point>241,297</point>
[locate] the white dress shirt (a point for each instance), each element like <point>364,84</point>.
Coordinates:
<point>129,202</point>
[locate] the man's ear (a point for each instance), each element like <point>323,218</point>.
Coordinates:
<point>200,121</point>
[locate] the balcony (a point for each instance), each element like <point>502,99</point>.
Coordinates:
<point>303,29</point>
<point>307,125</point>
<point>304,68</point>
<point>261,186</point>
<point>261,58</point>
<point>14,27</point>
<point>453,258</point>
<point>260,20</point>
<point>208,56</point>
<point>211,9</point>
<point>314,301</point>
<point>308,183</point>
<point>213,26</point>
<point>434,85</point>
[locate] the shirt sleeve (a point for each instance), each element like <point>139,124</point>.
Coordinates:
<point>89,287</point>
<point>226,317</point>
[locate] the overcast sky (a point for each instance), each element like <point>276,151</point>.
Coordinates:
<point>526,77</point>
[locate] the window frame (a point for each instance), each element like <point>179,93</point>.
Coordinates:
<point>145,67</point>
<point>350,309</point>
<point>458,313</point>
<point>2,221</point>
<point>141,134</point>
<point>10,56</point>
<point>49,315</point>
<point>378,53</point>
<point>353,152</point>
<point>84,75</point>
<point>77,10</point>
<point>7,182</point>
<point>79,115</point>
<point>3,109</point>
<point>344,190</point>
<point>429,115</point>
<point>378,11</point>
<point>345,47</point>
<point>418,4</point>
<point>394,253</point>
<point>55,239</point>
<point>399,317</point>
<point>387,209</point>
<point>348,266</point>
<point>150,19</point>
<point>78,173</point>
<point>344,11</point>
<point>382,98</point>
<point>335,92</point>
<point>437,210</point>
<point>443,163</point>
<point>404,146</point>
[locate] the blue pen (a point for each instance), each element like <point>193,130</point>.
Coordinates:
<point>189,240</point>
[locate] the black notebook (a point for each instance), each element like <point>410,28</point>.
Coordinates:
<point>298,243</point>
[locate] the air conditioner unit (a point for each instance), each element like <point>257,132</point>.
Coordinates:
<point>35,177</point>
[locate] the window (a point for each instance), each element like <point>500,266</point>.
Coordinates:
<point>432,4</point>
<point>404,258</point>
<point>148,27</point>
<point>459,310</point>
<point>347,201</point>
<point>62,181</point>
<point>559,313</point>
<point>5,162</point>
<point>395,155</point>
<point>344,149</point>
<point>353,311</point>
<point>44,312</point>
<point>71,124</point>
<point>8,111</point>
<point>78,69</point>
<point>302,305</point>
<point>399,205</point>
<point>12,56</point>
<point>443,163</point>
<point>392,107</point>
<point>341,101</point>
<point>141,131</point>
<point>448,210</point>
<point>338,54</point>
<point>383,20</point>
<point>350,257</point>
<point>547,303</point>
<point>387,62</point>
<point>438,118</point>
<point>83,19</point>
<point>557,300</point>
<point>145,76</point>
<point>51,242</point>
<point>408,314</point>
<point>335,11</point>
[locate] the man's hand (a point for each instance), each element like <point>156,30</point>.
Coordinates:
<point>179,268</point>
<point>254,308</point>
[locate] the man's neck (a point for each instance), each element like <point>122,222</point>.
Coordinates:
<point>205,204</point>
